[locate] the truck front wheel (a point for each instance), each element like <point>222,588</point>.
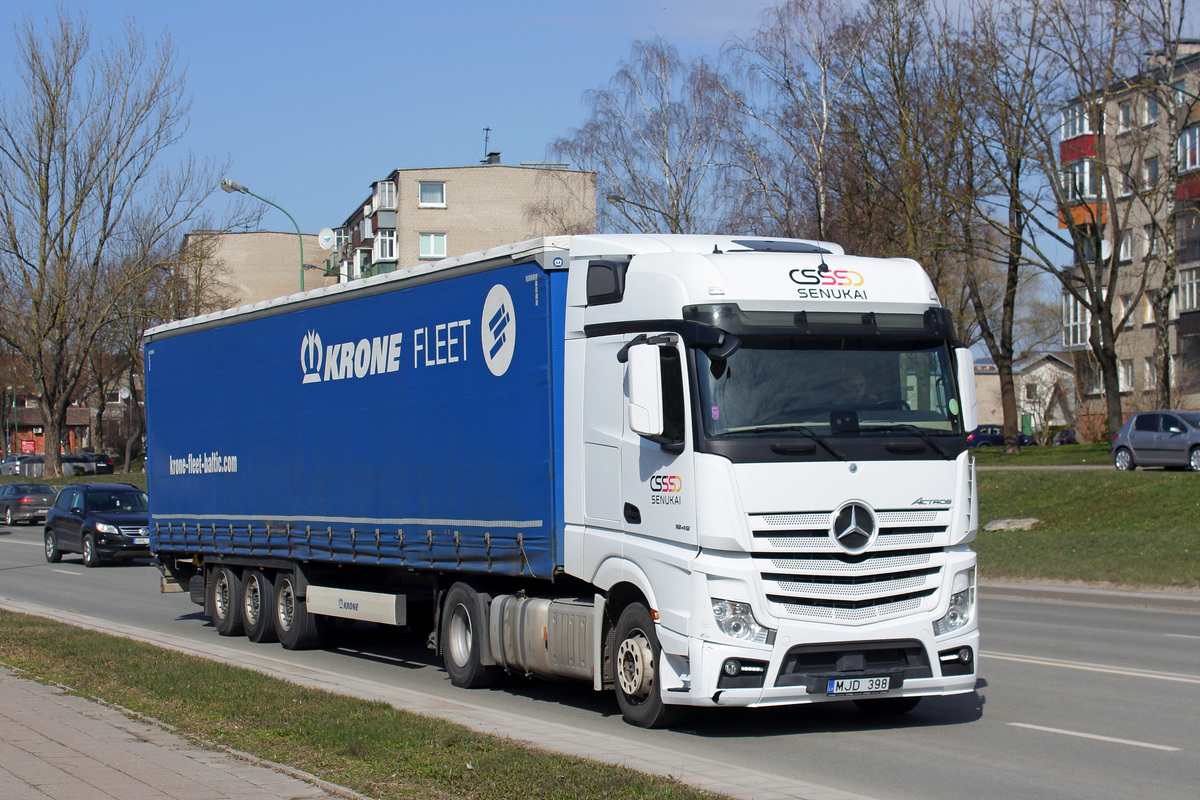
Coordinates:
<point>258,604</point>
<point>464,632</point>
<point>227,601</point>
<point>637,660</point>
<point>296,628</point>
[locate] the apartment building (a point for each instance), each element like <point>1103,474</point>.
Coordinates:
<point>426,214</point>
<point>1144,149</point>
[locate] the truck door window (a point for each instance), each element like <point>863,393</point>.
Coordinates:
<point>674,417</point>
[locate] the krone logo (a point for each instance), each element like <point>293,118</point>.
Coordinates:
<point>853,527</point>
<point>311,355</point>
<point>499,330</point>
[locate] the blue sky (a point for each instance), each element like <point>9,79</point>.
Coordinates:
<point>312,101</point>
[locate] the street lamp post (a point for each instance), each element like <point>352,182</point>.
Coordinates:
<point>233,186</point>
<point>672,221</point>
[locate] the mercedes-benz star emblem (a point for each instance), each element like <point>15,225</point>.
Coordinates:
<point>854,527</point>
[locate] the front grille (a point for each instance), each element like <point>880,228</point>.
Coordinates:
<point>806,575</point>
<point>813,665</point>
<point>133,530</point>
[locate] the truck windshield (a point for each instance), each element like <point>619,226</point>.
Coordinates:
<point>806,386</point>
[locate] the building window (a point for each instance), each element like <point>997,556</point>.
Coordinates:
<point>1151,109</point>
<point>1151,170</point>
<point>1188,291</point>
<point>1030,391</point>
<point>385,245</point>
<point>1075,122</point>
<point>1125,375</point>
<point>1125,115</point>
<point>1127,183</point>
<point>1151,235</point>
<point>1125,251</point>
<point>1189,149</point>
<point>1081,181</point>
<point>1148,311</point>
<point>1151,373</point>
<point>433,245</point>
<point>1075,322</point>
<point>385,195</point>
<point>432,194</point>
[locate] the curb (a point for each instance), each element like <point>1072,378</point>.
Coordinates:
<point>1083,594</point>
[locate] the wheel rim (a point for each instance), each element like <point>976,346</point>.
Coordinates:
<point>49,545</point>
<point>1195,460</point>
<point>286,606</point>
<point>8,516</point>
<point>253,599</point>
<point>87,550</point>
<point>460,635</point>
<point>1122,459</point>
<point>635,666</point>
<point>221,599</point>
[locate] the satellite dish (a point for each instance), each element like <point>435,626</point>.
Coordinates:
<point>326,239</point>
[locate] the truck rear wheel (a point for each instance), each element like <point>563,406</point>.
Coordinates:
<point>464,635</point>
<point>637,660</point>
<point>296,628</point>
<point>227,601</point>
<point>258,604</point>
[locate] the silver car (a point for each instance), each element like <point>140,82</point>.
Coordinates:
<point>1158,439</point>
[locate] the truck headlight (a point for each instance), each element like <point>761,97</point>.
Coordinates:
<point>737,621</point>
<point>962,604</point>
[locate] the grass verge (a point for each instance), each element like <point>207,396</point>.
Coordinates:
<point>372,748</point>
<point>1103,526</point>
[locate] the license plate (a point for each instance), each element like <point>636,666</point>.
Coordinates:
<point>859,685</point>
<point>141,540</point>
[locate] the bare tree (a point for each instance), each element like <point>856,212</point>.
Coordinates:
<point>653,138</point>
<point>790,79</point>
<point>84,201</point>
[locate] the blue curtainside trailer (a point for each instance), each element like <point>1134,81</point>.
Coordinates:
<point>360,428</point>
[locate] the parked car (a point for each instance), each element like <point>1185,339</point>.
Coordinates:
<point>11,465</point>
<point>101,521</point>
<point>25,502</point>
<point>105,463</point>
<point>1065,436</point>
<point>993,436</point>
<point>1158,439</point>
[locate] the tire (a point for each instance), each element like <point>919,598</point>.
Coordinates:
<point>294,626</point>
<point>1123,459</point>
<point>53,554</point>
<point>91,557</point>
<point>636,667</point>
<point>464,637</point>
<point>258,604</point>
<point>8,520</point>
<point>226,597</point>
<point>1194,459</point>
<point>887,706</point>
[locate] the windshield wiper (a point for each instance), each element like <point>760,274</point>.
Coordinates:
<point>804,429</point>
<point>913,429</point>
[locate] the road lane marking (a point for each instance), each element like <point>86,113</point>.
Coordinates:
<point>1085,667</point>
<point>1180,636</point>
<point>68,572</point>
<point>1080,735</point>
<point>18,541</point>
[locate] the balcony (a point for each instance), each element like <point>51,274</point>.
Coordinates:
<point>1083,214</point>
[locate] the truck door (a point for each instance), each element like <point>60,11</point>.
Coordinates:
<point>657,478</point>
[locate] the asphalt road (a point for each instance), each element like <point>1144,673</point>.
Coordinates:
<point>1092,697</point>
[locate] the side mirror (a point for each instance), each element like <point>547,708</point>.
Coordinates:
<point>77,511</point>
<point>965,362</point>
<point>645,390</point>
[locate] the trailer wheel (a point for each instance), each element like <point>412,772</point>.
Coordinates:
<point>638,656</point>
<point>296,628</point>
<point>887,706</point>
<point>227,601</point>
<point>258,603</point>
<point>464,635</point>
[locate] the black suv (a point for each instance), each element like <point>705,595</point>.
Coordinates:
<point>99,520</point>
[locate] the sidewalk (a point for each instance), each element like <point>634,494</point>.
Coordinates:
<point>55,745</point>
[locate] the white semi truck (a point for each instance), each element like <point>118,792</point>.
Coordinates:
<point>701,471</point>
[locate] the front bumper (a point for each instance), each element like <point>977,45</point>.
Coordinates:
<point>797,671</point>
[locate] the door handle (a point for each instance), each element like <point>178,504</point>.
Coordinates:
<point>633,514</point>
